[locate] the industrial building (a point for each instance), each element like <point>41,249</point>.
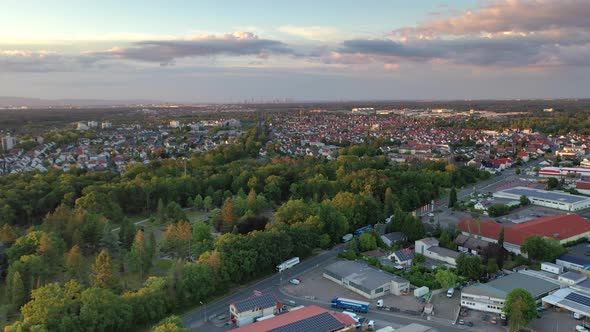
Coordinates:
<point>308,319</point>
<point>563,228</point>
<point>490,297</point>
<point>245,311</point>
<point>552,199</point>
<point>365,280</point>
<point>558,172</point>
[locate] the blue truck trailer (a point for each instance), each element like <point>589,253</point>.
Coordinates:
<point>354,305</point>
<point>363,230</point>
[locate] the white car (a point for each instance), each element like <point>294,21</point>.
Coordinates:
<point>295,281</point>
<point>580,328</point>
<point>577,315</point>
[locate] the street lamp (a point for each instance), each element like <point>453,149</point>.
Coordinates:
<point>205,308</point>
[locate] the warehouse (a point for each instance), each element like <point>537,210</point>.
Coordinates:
<point>552,199</point>
<point>490,297</point>
<point>309,319</point>
<point>365,280</point>
<point>563,228</point>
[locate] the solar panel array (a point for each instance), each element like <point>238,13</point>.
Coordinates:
<point>404,255</point>
<point>323,322</point>
<point>578,298</point>
<point>263,301</point>
<point>549,195</point>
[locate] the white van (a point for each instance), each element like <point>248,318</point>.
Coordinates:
<point>450,292</point>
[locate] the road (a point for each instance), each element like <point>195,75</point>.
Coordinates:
<point>195,318</point>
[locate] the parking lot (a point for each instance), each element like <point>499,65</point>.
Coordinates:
<point>483,321</point>
<point>315,287</point>
<point>554,320</point>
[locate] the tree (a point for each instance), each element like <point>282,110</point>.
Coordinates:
<point>16,290</point>
<point>520,307</point>
<point>367,242</point>
<point>538,248</point>
<point>388,202</point>
<point>170,324</point>
<point>469,266</point>
<point>501,238</point>
<point>109,240</point>
<point>126,233</point>
<point>452,197</point>
<point>198,202</point>
<point>208,203</point>
<point>102,310</point>
<point>74,264</point>
<point>419,258</point>
<point>102,270</point>
<point>552,183</point>
<point>53,307</point>
<point>524,200</point>
<point>139,254</point>
<point>7,235</point>
<point>446,278</point>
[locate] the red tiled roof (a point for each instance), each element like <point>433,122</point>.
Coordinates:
<point>559,227</point>
<point>294,316</point>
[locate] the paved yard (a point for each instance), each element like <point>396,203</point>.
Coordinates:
<point>481,321</point>
<point>553,320</point>
<point>315,286</point>
<point>444,307</point>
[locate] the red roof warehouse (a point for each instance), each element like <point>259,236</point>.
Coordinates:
<point>308,319</point>
<point>563,228</point>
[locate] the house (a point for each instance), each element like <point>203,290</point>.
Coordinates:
<point>563,228</point>
<point>310,319</point>
<point>470,244</point>
<point>403,257</point>
<point>391,239</point>
<point>245,311</point>
<point>365,280</point>
<point>429,247</point>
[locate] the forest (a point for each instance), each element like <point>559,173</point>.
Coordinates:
<point>77,262</point>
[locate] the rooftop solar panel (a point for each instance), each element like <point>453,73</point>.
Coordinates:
<point>323,322</point>
<point>262,301</point>
<point>578,298</point>
<point>549,195</point>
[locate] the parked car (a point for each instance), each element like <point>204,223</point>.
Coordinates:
<point>580,328</point>
<point>577,315</point>
<point>470,324</point>
<point>295,281</point>
<point>461,322</point>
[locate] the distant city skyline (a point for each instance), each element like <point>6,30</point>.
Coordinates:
<point>231,51</point>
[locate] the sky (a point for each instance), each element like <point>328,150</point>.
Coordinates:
<point>232,51</point>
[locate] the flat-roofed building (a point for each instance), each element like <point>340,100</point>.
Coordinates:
<point>490,297</point>
<point>365,280</point>
<point>552,199</point>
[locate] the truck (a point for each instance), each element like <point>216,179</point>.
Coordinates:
<point>363,230</point>
<point>354,305</point>
<point>288,264</point>
<point>347,237</point>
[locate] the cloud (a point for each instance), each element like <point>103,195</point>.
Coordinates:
<point>167,51</point>
<point>509,33</point>
<point>509,16</point>
<point>318,33</point>
<point>43,61</point>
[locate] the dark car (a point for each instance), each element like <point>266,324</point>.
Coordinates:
<point>470,324</point>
